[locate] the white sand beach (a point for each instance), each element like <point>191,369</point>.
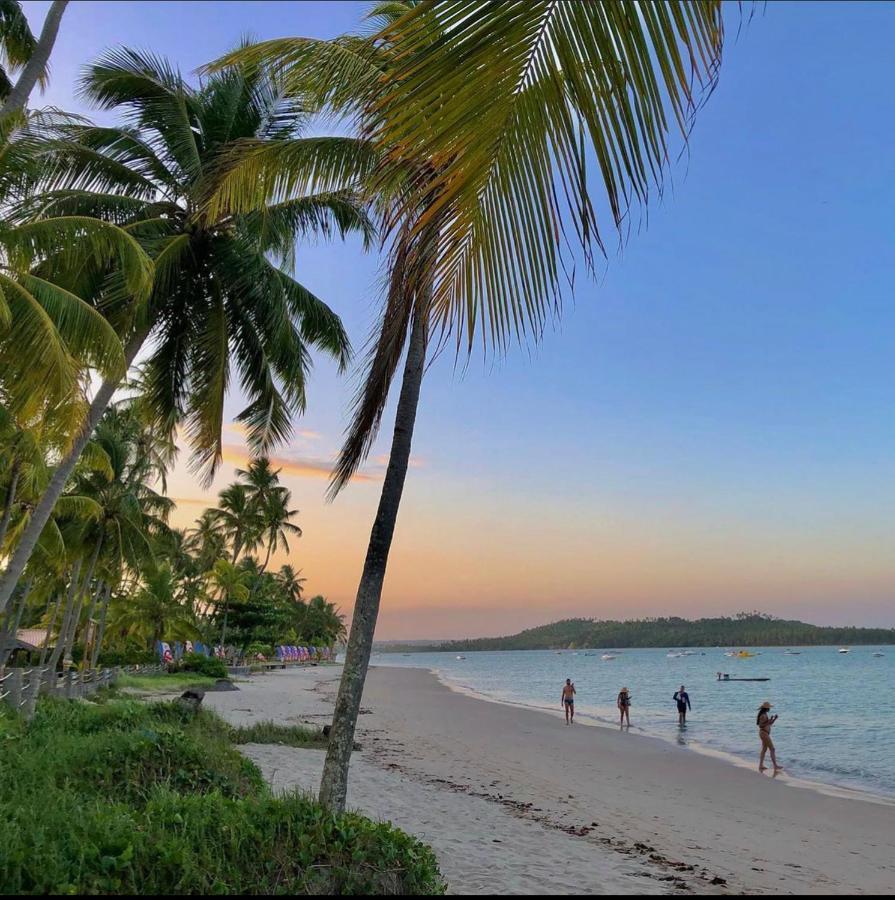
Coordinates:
<point>514,802</point>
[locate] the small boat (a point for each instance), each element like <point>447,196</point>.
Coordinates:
<point>461,657</point>
<point>845,649</point>
<point>879,653</point>
<point>673,655</point>
<point>724,677</point>
<point>608,656</point>
<point>792,652</point>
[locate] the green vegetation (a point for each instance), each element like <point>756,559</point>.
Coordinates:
<point>164,684</point>
<point>208,666</point>
<point>123,797</point>
<point>744,630</point>
<point>272,733</point>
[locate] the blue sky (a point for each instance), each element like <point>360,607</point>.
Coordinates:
<point>709,428</point>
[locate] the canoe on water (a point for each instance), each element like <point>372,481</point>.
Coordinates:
<point>728,678</point>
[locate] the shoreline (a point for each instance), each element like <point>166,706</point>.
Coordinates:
<point>589,720</point>
<point>512,801</point>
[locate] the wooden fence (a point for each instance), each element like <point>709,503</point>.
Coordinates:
<point>20,688</point>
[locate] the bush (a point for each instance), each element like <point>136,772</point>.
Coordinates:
<point>210,666</point>
<point>111,658</point>
<point>130,798</point>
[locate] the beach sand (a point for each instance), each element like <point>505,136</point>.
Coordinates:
<point>512,801</point>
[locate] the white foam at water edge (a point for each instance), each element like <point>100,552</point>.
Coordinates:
<point>592,721</point>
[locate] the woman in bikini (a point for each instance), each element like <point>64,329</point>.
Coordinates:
<point>624,706</point>
<point>764,723</point>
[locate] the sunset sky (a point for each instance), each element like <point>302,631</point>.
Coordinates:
<point>710,428</point>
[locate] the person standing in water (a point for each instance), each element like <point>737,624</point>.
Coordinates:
<point>764,723</point>
<point>682,698</point>
<point>568,701</point>
<point>624,706</point>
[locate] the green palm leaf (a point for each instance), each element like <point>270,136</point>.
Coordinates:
<point>509,103</point>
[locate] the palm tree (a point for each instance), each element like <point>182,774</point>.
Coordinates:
<point>157,611</point>
<point>23,51</point>
<point>275,523</point>
<point>291,582</point>
<point>17,43</point>
<point>324,624</point>
<point>485,120</point>
<point>206,539</point>
<point>238,519</point>
<point>219,299</point>
<point>227,583</point>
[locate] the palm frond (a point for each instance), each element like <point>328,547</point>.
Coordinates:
<point>342,75</point>
<point>69,239</point>
<point>87,335</point>
<point>256,173</point>
<point>153,94</point>
<point>508,104</point>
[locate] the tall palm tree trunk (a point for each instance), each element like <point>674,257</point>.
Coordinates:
<point>37,64</point>
<point>47,502</point>
<point>10,634</point>
<point>10,499</point>
<point>73,585</point>
<point>334,784</point>
<point>226,611</point>
<point>266,558</point>
<point>91,612</point>
<point>83,592</point>
<point>101,633</point>
<point>50,626</point>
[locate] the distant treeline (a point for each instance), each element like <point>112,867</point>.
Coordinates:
<point>742,630</point>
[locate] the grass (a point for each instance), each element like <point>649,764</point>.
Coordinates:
<point>272,733</point>
<point>128,797</point>
<point>164,684</point>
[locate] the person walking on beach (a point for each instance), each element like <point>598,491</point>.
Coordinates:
<point>624,707</point>
<point>682,698</point>
<point>568,701</point>
<point>764,723</point>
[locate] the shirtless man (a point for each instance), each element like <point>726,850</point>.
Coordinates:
<point>568,701</point>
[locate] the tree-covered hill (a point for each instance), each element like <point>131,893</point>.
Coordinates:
<point>743,630</point>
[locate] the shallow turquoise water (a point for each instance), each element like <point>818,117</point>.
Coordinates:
<point>837,711</point>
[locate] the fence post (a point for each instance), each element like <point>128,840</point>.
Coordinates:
<point>34,686</point>
<point>14,688</point>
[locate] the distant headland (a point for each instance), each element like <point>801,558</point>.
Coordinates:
<point>746,629</point>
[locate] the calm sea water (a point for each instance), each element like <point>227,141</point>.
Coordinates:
<point>837,711</point>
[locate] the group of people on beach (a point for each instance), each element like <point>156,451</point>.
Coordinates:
<point>765,720</point>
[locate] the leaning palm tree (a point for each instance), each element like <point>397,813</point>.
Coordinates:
<point>488,122</point>
<point>223,298</point>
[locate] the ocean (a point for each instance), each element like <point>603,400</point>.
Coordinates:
<point>837,711</point>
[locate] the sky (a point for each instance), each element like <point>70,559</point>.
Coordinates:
<point>710,427</point>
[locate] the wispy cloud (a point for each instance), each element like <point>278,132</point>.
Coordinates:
<point>193,501</point>
<point>416,462</point>
<point>292,465</point>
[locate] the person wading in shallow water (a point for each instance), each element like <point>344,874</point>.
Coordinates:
<point>568,701</point>
<point>682,698</point>
<point>624,707</point>
<point>764,723</point>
